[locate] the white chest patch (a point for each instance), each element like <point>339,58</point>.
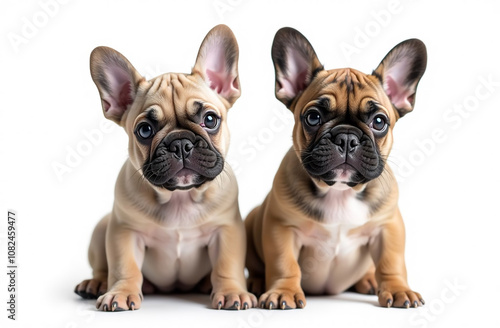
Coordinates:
<point>343,212</point>
<point>181,210</point>
<point>333,255</point>
<point>177,254</point>
<point>342,206</point>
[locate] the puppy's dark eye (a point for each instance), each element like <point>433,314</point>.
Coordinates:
<point>313,118</point>
<point>145,131</point>
<point>379,123</point>
<point>210,121</point>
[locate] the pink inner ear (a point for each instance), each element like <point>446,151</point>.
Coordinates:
<point>294,80</point>
<point>106,105</point>
<point>120,91</point>
<point>125,96</point>
<point>399,94</point>
<point>221,80</point>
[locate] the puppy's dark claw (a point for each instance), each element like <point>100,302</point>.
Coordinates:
<point>389,303</point>
<point>301,304</point>
<point>219,306</point>
<point>83,294</point>
<point>415,304</point>
<point>422,301</point>
<point>245,306</point>
<point>271,306</point>
<point>407,304</point>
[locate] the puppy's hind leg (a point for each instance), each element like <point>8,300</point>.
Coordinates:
<point>367,284</point>
<point>98,285</point>
<point>256,274</point>
<point>256,283</point>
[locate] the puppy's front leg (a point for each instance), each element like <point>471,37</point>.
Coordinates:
<point>388,254</point>
<point>227,255</point>
<point>125,253</point>
<point>283,275</point>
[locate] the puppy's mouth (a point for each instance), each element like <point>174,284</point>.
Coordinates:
<point>185,179</point>
<point>344,174</point>
<point>343,155</point>
<point>183,160</point>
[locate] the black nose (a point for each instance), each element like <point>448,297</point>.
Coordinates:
<point>181,148</point>
<point>347,143</point>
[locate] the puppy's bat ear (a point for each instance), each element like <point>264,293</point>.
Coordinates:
<point>295,64</point>
<point>400,71</point>
<point>116,79</point>
<point>217,63</point>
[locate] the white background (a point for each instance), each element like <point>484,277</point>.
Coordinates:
<point>449,194</point>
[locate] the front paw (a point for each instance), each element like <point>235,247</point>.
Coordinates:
<point>233,300</point>
<point>283,299</point>
<point>399,296</point>
<point>119,300</point>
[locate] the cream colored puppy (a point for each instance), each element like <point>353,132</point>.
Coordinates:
<point>175,219</point>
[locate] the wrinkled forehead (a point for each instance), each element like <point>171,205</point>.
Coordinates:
<point>345,91</point>
<point>175,95</point>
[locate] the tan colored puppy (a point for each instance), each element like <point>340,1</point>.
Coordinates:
<point>175,219</point>
<point>333,211</point>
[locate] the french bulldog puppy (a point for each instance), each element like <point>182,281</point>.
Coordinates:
<point>175,222</point>
<point>331,220</point>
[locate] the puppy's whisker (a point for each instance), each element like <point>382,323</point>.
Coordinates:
<point>223,174</point>
<point>142,177</point>
<point>139,176</point>
<point>386,178</point>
